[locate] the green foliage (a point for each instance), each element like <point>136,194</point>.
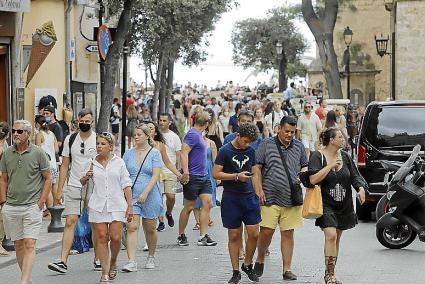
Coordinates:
<point>254,40</point>
<point>296,68</point>
<point>174,27</point>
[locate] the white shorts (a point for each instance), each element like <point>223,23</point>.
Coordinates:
<point>105,216</point>
<point>22,222</point>
<point>309,144</point>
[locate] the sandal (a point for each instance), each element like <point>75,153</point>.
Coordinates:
<point>4,253</point>
<point>210,223</point>
<point>104,279</point>
<point>330,279</point>
<point>113,272</point>
<point>197,227</point>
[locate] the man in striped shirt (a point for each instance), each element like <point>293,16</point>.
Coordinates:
<point>274,188</point>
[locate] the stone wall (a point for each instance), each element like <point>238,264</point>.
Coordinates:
<point>410,50</point>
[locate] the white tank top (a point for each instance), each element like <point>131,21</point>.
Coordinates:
<point>49,147</point>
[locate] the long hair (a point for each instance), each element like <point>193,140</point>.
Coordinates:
<point>132,112</point>
<point>330,119</point>
<point>158,135</point>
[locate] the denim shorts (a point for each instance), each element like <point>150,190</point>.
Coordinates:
<point>196,186</point>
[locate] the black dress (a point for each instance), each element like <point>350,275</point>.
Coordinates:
<point>338,209</point>
<point>260,126</point>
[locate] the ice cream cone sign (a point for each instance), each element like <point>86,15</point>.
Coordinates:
<point>42,43</point>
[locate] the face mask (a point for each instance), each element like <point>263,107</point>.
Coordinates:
<point>84,127</point>
<point>48,120</point>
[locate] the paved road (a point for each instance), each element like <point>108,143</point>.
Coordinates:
<point>362,260</point>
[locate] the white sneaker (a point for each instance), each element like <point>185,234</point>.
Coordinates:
<point>150,262</point>
<point>131,266</point>
<point>145,248</point>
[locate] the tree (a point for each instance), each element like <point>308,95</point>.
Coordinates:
<point>254,42</point>
<point>165,30</point>
<point>123,12</point>
<point>322,26</point>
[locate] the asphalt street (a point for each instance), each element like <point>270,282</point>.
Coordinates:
<point>362,259</point>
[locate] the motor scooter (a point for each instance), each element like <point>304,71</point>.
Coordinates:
<point>405,203</point>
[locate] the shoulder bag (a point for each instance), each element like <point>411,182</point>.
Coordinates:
<point>313,204</point>
<point>296,190</point>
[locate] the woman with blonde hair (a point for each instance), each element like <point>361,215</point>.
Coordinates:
<point>109,203</point>
<point>143,162</point>
<point>132,117</point>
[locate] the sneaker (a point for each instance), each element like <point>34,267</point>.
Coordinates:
<point>145,248</point>
<point>235,278</point>
<point>206,241</point>
<point>288,275</point>
<point>131,266</point>
<point>161,227</point>
<point>259,268</point>
<point>218,203</point>
<point>60,267</point>
<point>182,240</point>
<point>97,266</point>
<point>170,220</point>
<point>150,262</point>
<point>250,272</point>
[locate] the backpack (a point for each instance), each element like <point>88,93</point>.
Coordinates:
<point>65,130</point>
<point>70,142</point>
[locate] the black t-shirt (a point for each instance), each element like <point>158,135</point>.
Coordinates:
<point>336,186</point>
<point>235,161</point>
<point>57,130</point>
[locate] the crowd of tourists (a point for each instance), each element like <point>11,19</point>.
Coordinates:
<point>244,143</point>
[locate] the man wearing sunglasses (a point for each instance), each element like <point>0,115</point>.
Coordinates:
<point>25,184</point>
<point>75,160</point>
<point>308,128</point>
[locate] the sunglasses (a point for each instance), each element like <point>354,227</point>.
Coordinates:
<point>19,131</point>
<point>307,107</point>
<point>82,148</point>
<point>106,135</point>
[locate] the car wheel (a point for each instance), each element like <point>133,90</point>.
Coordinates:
<point>382,207</point>
<point>363,211</point>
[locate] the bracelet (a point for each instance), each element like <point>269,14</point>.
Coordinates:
<point>237,177</point>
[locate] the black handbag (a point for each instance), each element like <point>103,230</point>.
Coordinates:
<point>296,189</point>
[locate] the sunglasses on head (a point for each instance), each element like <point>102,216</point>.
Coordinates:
<point>108,136</point>
<point>19,131</point>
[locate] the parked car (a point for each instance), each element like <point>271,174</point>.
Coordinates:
<point>389,131</point>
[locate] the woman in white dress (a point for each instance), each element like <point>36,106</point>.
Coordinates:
<point>109,204</point>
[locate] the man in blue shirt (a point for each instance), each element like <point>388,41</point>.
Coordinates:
<point>289,93</point>
<point>233,120</point>
<point>244,117</point>
<point>240,203</point>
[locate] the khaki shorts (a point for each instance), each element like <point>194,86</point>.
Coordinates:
<point>74,199</point>
<point>22,222</point>
<point>168,182</point>
<point>287,218</point>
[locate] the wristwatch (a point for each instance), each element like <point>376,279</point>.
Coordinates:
<point>237,177</point>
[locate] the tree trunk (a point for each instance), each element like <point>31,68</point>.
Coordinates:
<point>111,66</point>
<point>322,30</point>
<point>157,86</point>
<point>170,78</point>
<point>163,88</point>
<point>283,81</point>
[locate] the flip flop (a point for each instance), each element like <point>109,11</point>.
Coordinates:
<point>4,253</point>
<point>113,272</point>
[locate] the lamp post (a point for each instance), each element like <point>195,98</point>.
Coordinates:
<point>279,49</point>
<point>381,49</point>
<point>125,52</point>
<point>348,37</point>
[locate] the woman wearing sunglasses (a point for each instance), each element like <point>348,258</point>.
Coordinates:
<point>109,204</point>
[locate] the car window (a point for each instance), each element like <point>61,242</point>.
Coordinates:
<point>395,126</point>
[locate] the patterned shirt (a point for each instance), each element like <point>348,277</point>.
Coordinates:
<point>275,181</point>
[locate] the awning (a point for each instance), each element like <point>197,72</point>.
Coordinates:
<point>15,5</point>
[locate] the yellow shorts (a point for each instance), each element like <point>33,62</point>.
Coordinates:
<point>287,218</point>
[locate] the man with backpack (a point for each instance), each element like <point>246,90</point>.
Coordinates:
<point>54,126</point>
<point>78,151</point>
<point>114,119</point>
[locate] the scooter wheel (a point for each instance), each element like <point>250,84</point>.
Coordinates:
<point>396,237</point>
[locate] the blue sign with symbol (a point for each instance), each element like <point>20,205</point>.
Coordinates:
<point>104,40</point>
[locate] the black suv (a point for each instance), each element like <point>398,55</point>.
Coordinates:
<point>389,131</point>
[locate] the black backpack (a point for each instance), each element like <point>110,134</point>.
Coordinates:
<point>65,130</point>
<point>71,141</point>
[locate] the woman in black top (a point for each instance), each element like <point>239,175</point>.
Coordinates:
<point>335,172</point>
<point>260,122</point>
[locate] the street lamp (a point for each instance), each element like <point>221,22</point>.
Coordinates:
<point>279,50</point>
<point>381,49</point>
<point>348,37</point>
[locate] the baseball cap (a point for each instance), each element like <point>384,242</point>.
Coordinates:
<point>49,109</point>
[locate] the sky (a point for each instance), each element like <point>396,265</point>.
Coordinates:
<point>219,65</point>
